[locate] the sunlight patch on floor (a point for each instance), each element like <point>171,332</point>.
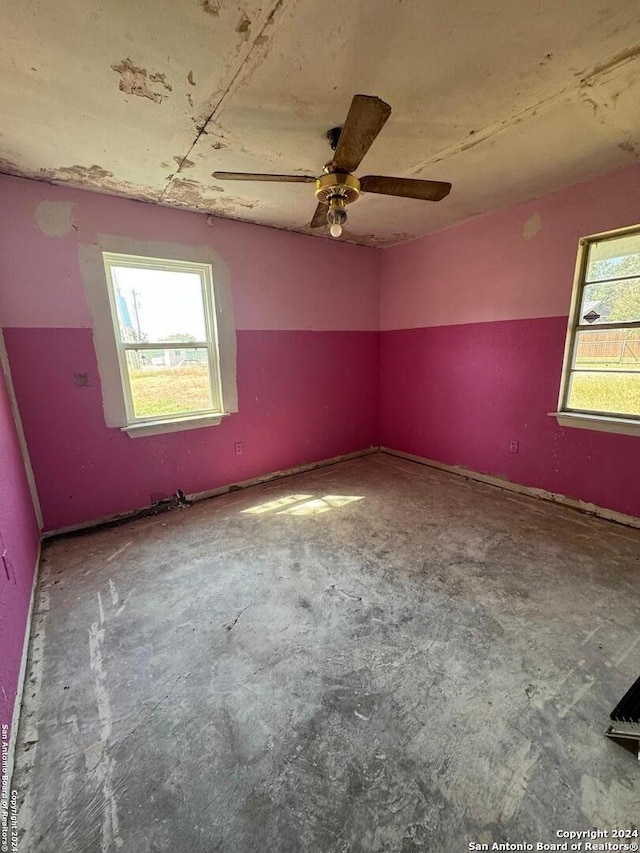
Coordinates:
<point>278,504</point>
<point>303,504</point>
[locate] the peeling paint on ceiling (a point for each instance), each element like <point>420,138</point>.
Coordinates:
<point>507,101</point>
<point>134,81</point>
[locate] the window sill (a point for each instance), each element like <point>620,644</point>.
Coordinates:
<point>600,423</point>
<point>143,428</point>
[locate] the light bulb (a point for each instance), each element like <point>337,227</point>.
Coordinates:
<point>336,215</point>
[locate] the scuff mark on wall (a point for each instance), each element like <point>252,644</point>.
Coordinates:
<point>532,226</point>
<point>192,82</point>
<point>55,218</point>
<point>134,81</point>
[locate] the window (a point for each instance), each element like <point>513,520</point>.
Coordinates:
<point>601,378</point>
<point>164,322</point>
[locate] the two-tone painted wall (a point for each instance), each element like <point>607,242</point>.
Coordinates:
<point>473,323</point>
<point>307,320</point>
<point>19,545</point>
<point>449,347</point>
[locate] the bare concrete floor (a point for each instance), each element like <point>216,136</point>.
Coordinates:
<point>430,665</point>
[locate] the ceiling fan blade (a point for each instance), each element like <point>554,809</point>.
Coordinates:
<point>252,176</point>
<point>405,187</point>
<point>320,216</point>
<point>365,120</point>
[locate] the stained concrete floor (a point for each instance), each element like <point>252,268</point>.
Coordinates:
<point>430,665</point>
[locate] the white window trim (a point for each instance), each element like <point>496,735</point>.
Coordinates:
<point>582,419</point>
<point>204,273</point>
<point>106,337</point>
<point>157,427</point>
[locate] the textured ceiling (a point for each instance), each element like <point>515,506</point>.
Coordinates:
<point>506,100</point>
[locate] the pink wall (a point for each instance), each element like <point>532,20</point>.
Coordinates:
<point>307,355</point>
<point>19,537</point>
<point>303,396</point>
<point>280,280</point>
<point>474,321</point>
<point>469,358</point>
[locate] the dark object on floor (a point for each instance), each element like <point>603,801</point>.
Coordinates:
<point>625,717</point>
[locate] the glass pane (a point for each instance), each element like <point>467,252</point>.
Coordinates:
<point>156,305</point>
<point>605,392</point>
<point>169,381</point>
<point>614,258</point>
<point>607,349</point>
<point>613,302</point>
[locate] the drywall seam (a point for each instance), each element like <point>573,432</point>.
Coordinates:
<point>13,403</point>
<point>93,275</point>
<point>17,706</point>
<point>202,128</point>
<point>212,493</point>
<point>530,491</point>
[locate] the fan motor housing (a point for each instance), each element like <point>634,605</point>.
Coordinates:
<point>339,184</point>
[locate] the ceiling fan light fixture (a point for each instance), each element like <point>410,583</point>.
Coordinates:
<point>337,186</point>
<point>336,215</point>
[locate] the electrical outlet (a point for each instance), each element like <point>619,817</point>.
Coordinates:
<point>513,446</point>
<point>237,447</point>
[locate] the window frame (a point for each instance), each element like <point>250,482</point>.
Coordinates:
<point>583,418</point>
<point>146,424</point>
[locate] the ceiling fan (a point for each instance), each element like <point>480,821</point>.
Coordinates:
<point>337,186</point>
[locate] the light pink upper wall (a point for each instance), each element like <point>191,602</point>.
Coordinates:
<point>280,280</point>
<point>512,265</point>
<point>307,319</point>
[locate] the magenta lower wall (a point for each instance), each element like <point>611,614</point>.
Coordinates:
<point>19,538</point>
<point>459,394</point>
<point>303,397</point>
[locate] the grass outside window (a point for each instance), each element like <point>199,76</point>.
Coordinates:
<point>602,361</point>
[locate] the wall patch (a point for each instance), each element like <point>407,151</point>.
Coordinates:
<point>55,218</point>
<point>532,226</point>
